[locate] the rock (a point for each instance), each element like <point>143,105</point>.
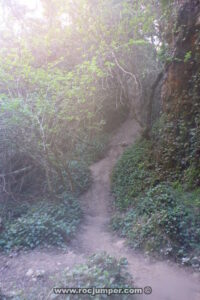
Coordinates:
<point>12,294</point>
<point>29,273</point>
<point>124,144</point>
<point>185,260</point>
<point>195,260</point>
<point>34,279</point>
<point>39,273</point>
<point>7,265</point>
<point>15,254</point>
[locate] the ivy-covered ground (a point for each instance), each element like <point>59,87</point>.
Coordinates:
<point>49,220</point>
<point>101,271</point>
<point>155,213</point>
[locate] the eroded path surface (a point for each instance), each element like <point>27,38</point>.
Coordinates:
<point>168,281</point>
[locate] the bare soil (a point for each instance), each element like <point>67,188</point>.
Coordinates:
<point>168,281</point>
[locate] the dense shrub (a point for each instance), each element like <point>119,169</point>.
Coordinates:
<point>100,271</point>
<point>81,176</point>
<point>133,174</point>
<point>51,97</point>
<point>94,149</point>
<point>160,215</point>
<point>27,224</point>
<point>12,209</point>
<point>44,223</point>
<point>163,222</point>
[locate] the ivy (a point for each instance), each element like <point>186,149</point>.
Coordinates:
<point>163,223</point>
<point>43,223</point>
<point>100,271</point>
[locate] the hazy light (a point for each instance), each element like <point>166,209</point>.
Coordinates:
<point>35,7</point>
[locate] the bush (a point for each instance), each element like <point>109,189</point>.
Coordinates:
<point>100,271</point>
<point>12,209</point>
<point>44,223</point>
<point>133,174</point>
<point>81,176</point>
<point>162,222</point>
<point>79,169</point>
<point>93,150</point>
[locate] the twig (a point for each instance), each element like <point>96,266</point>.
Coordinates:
<point>16,172</point>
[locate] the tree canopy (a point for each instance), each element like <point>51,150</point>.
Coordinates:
<point>67,68</point>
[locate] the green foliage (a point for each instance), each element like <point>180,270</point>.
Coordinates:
<point>164,54</point>
<point>192,177</point>
<point>188,56</point>
<point>94,149</point>
<point>133,174</point>
<point>12,209</point>
<point>166,2</point>
<point>81,176</point>
<point>176,147</point>
<point>100,271</point>
<point>160,218</point>
<point>53,92</point>
<point>164,223</point>
<point>44,223</point>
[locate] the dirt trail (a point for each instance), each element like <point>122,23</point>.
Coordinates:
<point>169,282</point>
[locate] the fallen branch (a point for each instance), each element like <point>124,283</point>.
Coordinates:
<point>16,172</point>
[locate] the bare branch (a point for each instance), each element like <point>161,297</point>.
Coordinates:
<point>16,172</point>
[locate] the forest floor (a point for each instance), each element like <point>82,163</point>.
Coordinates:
<point>35,271</point>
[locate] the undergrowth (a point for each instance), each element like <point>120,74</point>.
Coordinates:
<point>156,215</point>
<point>28,224</point>
<point>100,271</point>
<point>94,149</point>
<point>40,224</point>
<point>133,174</point>
<point>81,176</point>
